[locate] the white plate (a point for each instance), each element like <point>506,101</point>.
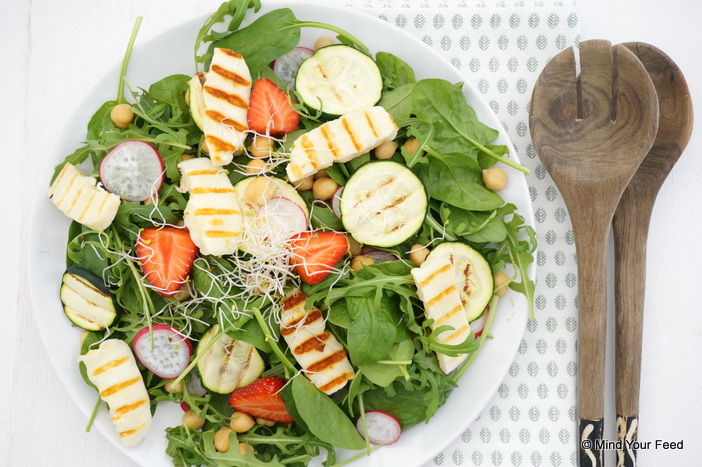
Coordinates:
<point>171,53</point>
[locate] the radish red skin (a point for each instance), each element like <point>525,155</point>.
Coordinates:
<point>383,427</point>
<point>146,354</point>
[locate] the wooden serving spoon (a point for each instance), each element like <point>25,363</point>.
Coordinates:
<point>630,226</point>
<point>591,132</point>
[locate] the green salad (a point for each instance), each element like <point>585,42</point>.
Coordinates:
<point>301,244</point>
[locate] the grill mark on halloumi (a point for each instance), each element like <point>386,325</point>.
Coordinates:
<point>126,433</point>
<point>463,330</point>
<point>329,138</point>
<point>310,151</point>
<point>314,343</point>
<point>327,362</point>
<point>109,365</point>
<point>118,387</point>
<point>294,299</point>
<point>230,75</point>
<point>205,190</point>
<point>369,120</point>
<point>224,120</point>
<point>218,144</point>
<point>433,276</point>
<point>216,212</point>
<point>338,381</point>
<point>349,131</point>
<point>125,409</point>
<point>194,173</point>
<point>436,299</point>
<point>232,99</point>
<point>231,53</point>
<point>222,234</point>
<point>306,319</point>
<point>448,315</point>
<point>89,203</point>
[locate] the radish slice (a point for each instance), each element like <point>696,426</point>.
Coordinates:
<point>133,170</point>
<point>336,202</point>
<point>381,256</point>
<point>195,386</point>
<point>286,66</point>
<point>170,353</point>
<point>383,428</point>
<point>282,217</point>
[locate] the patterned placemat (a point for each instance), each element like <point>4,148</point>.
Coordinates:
<point>501,47</point>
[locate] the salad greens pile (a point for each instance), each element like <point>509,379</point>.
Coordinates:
<point>374,312</point>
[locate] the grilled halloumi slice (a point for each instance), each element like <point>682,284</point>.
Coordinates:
<point>340,140</point>
<point>436,287</point>
<point>226,92</point>
<point>321,356</point>
<point>113,370</point>
<point>79,197</point>
<point>212,215</point>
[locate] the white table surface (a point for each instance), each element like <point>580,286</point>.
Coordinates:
<point>50,50</point>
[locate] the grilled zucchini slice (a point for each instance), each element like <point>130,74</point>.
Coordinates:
<point>86,301</point>
<point>475,281</point>
<point>227,364</point>
<point>383,204</point>
<point>338,79</point>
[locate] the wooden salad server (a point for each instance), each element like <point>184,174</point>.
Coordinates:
<point>591,131</point>
<point>630,227</point>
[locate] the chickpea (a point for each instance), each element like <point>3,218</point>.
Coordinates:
<point>412,145</point>
<point>264,422</point>
<point>173,388</point>
<point>305,184</point>
<point>323,41</point>
<point>259,190</point>
<point>261,146</point>
<point>192,421</point>
<point>500,279</point>
<point>255,167</point>
<point>180,223</point>
<point>245,449</point>
<point>324,188</point>
<point>182,294</point>
<point>186,157</point>
<point>385,151</point>
<point>221,439</point>
<point>320,174</point>
<point>494,178</point>
<point>122,115</point>
<point>359,261</point>
<point>241,422</point>
<point>418,254</point>
<point>355,248</point>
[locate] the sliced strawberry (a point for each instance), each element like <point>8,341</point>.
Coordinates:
<point>269,109</point>
<point>261,399</point>
<point>314,254</point>
<point>166,256</point>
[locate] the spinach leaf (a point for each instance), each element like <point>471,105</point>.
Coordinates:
<point>384,373</point>
<point>458,186</point>
<point>372,332</point>
<point>398,103</point>
<point>264,40</point>
<point>394,71</point>
<point>323,417</point>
